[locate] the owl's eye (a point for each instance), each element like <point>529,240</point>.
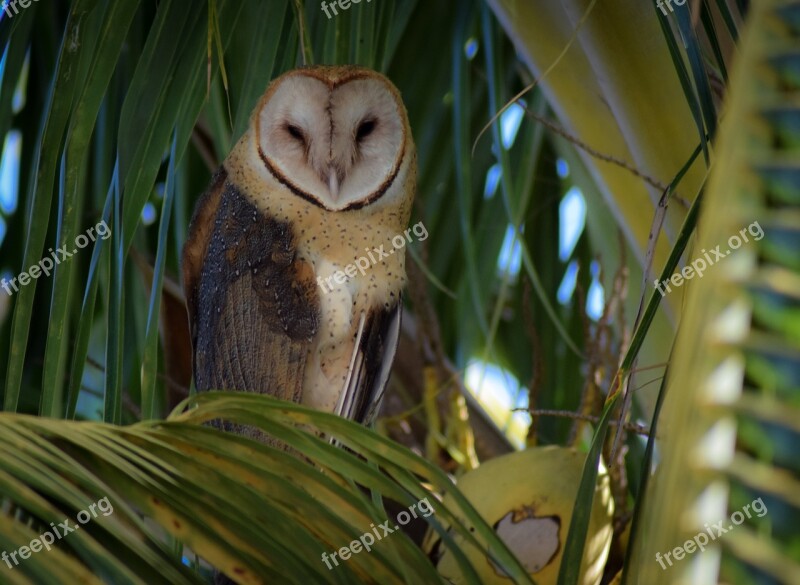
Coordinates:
<point>365,129</point>
<point>296,133</point>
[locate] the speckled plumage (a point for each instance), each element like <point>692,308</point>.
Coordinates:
<point>324,200</point>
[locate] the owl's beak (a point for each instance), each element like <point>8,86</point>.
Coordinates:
<point>333,182</point>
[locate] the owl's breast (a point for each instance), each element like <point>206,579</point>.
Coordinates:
<point>358,256</point>
<point>360,260</point>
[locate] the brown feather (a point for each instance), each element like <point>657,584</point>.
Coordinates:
<point>194,251</point>
<point>253,305</point>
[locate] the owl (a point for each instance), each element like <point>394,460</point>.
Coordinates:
<point>323,178</point>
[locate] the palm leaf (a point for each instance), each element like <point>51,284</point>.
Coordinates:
<point>256,512</point>
<point>730,406</point>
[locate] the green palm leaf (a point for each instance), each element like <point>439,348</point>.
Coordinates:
<point>256,512</point>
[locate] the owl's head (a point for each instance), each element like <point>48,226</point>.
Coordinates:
<point>336,136</point>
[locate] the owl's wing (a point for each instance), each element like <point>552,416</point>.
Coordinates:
<point>371,363</point>
<point>253,307</point>
<point>194,250</point>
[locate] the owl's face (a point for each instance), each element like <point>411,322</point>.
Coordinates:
<point>335,136</point>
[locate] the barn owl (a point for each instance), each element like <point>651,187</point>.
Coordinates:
<point>324,175</point>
